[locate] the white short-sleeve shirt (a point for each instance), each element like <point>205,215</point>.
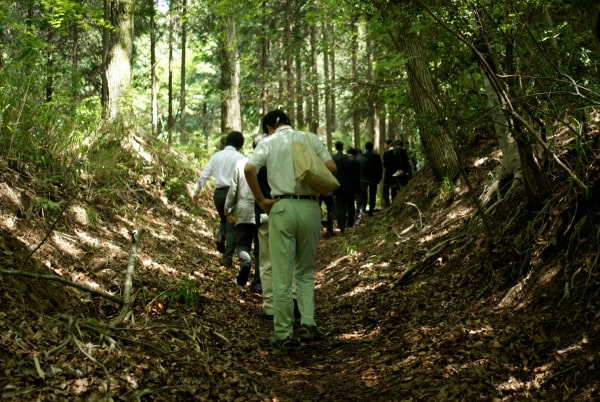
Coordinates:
<point>275,152</point>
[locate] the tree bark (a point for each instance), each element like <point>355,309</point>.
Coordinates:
<point>117,54</point>
<point>183,136</point>
<point>327,81</point>
<point>437,145</point>
<point>231,117</point>
<point>171,116</point>
<point>153,79</point>
<point>314,82</point>
<point>356,117</point>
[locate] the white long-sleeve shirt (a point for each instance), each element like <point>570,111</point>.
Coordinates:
<point>239,197</point>
<point>221,165</point>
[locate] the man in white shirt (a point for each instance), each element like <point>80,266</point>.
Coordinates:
<point>222,166</point>
<point>294,225</point>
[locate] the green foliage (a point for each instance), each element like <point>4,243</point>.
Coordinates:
<point>175,189</point>
<point>186,292</point>
<point>48,208</point>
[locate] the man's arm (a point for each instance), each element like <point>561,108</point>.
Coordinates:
<point>331,166</point>
<point>252,179</point>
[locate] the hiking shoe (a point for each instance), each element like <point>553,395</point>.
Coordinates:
<point>282,344</point>
<point>309,333</point>
<point>256,288</point>
<point>242,277</point>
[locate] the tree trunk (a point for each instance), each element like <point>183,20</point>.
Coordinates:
<point>171,117</point>
<point>314,82</point>
<point>117,54</point>
<point>50,66</point>
<point>356,117</point>
<point>300,94</point>
<point>231,117</point>
<point>183,137</point>
<point>288,54</point>
<point>153,79</point>
<point>327,82</point>
<point>437,145</point>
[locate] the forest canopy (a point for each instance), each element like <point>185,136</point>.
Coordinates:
<point>437,75</point>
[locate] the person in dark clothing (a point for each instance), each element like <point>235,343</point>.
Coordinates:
<point>330,213</point>
<point>348,174</point>
<point>397,170</point>
<point>374,172</point>
<point>362,196</point>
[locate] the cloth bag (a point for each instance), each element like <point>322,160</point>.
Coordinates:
<point>311,170</point>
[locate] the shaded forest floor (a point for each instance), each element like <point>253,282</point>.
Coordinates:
<point>421,304</point>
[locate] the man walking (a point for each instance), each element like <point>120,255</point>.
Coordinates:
<point>374,172</point>
<point>222,165</point>
<point>294,225</point>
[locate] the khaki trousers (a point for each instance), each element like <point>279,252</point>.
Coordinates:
<point>294,230</point>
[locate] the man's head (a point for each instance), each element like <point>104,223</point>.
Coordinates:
<point>369,146</point>
<point>339,146</point>
<point>352,152</point>
<point>274,119</point>
<point>235,139</point>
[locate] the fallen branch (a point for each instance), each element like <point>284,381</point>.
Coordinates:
<point>64,281</point>
<point>60,214</point>
<point>433,252</point>
<point>135,239</point>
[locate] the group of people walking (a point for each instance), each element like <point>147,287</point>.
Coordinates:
<point>359,175</point>
<point>263,208</point>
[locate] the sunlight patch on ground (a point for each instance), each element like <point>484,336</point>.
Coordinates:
<point>80,215</point>
<point>360,335</point>
<point>362,288</point>
<point>460,212</point>
<point>66,244</point>
<point>8,221</point>
<point>8,192</point>
<point>148,263</point>
<point>94,242</point>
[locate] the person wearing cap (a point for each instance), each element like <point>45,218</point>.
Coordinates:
<point>294,226</point>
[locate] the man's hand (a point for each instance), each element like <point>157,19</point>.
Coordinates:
<point>230,218</point>
<point>265,204</point>
<point>195,197</point>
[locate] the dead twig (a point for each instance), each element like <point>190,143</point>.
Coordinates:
<point>135,239</point>
<point>64,281</point>
<point>60,214</point>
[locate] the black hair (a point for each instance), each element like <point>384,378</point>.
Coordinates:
<point>274,119</point>
<point>352,151</point>
<point>235,139</point>
<point>369,146</point>
<point>339,145</point>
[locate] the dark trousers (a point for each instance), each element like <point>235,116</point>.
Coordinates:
<point>389,189</point>
<point>329,206</point>
<point>226,229</point>
<point>245,234</point>
<point>361,204</point>
<point>345,210</point>
<point>372,194</point>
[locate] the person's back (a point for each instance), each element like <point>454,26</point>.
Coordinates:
<point>222,166</point>
<point>374,173</point>
<point>240,199</point>
<point>294,225</point>
<point>362,195</point>
<point>374,170</point>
